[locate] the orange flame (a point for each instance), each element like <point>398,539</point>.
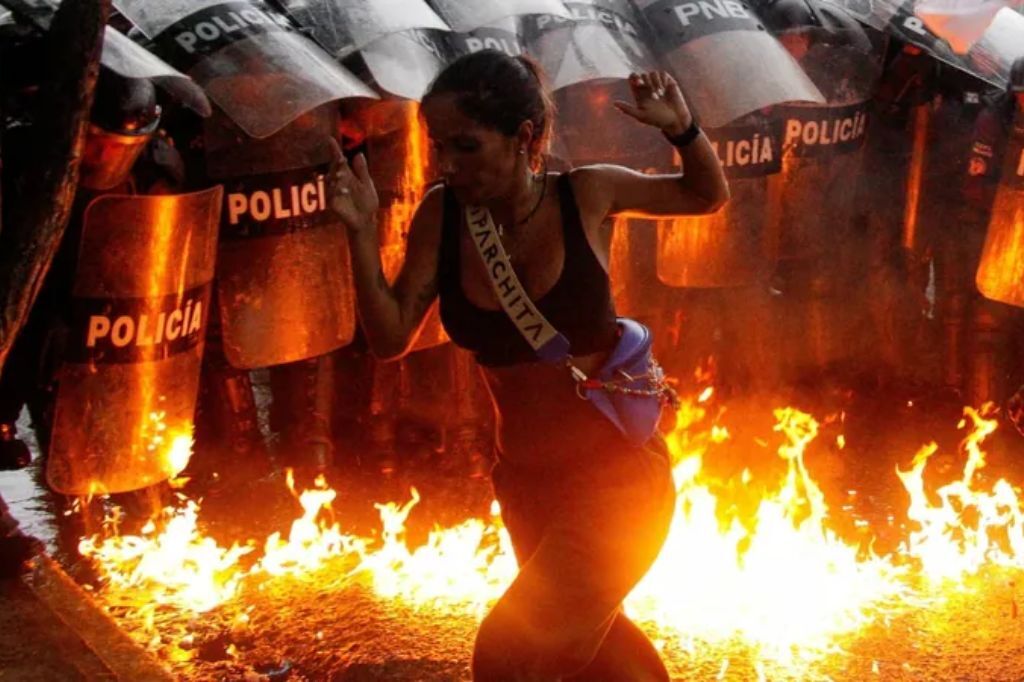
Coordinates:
<point>777,577</point>
<point>968,528</point>
<point>782,580</point>
<point>398,216</point>
<point>178,566</point>
<point>413,183</point>
<point>620,259</point>
<point>469,565</point>
<point>310,542</point>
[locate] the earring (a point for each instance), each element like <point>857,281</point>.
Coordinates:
<point>521,152</point>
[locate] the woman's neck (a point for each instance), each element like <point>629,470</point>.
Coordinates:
<point>511,208</point>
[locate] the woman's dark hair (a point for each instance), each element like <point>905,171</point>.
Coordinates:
<point>500,91</point>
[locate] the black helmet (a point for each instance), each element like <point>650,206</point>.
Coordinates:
<point>123,118</point>
<point>124,105</point>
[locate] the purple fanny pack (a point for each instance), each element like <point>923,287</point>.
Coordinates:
<point>630,388</point>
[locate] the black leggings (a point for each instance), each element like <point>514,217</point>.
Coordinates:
<point>583,539</point>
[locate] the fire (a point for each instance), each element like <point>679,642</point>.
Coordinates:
<point>620,263</point>
<point>177,566</point>
<point>310,542</point>
<point>968,528</point>
<point>173,445</point>
<point>179,454</point>
<point>469,565</point>
<point>781,580</point>
<point>746,559</point>
<point>411,186</point>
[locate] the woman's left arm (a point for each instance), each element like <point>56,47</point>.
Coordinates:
<point>700,189</point>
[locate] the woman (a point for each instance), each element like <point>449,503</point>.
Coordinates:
<point>587,510</point>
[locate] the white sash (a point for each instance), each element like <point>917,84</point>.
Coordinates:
<point>530,322</point>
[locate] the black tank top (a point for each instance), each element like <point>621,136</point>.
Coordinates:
<point>579,305</point>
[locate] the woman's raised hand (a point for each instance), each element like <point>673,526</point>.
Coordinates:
<point>659,102</point>
<point>353,195</point>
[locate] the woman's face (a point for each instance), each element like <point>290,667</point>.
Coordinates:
<point>477,162</point>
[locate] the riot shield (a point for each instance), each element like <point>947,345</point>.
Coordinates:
<point>249,58</point>
<point>589,129</point>
<point>466,15</point>
<point>599,39</point>
<point>406,63</point>
<point>346,26</point>
<point>1000,275</point>
<point>990,57</point>
<point>822,144</point>
<point>131,60</point>
<point>814,197</point>
<point>959,23</point>
<point>734,246</point>
<point>502,35</point>
<point>284,283</point>
<point>1000,46</point>
<point>725,61</point>
<point>141,298</point>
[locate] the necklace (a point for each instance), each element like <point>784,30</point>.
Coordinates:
<point>540,199</point>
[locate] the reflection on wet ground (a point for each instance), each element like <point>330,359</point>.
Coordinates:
<point>28,503</point>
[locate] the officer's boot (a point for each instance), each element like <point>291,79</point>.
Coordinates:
<point>228,437</point>
<point>301,412</point>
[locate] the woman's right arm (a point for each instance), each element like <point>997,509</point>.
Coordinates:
<point>390,314</point>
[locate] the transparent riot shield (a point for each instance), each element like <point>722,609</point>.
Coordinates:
<point>959,23</point>
<point>1000,46</point>
<point>822,143</point>
<point>988,57</point>
<point>1000,275</point>
<point>249,58</point>
<point>589,129</point>
<point>734,246</point>
<point>131,60</point>
<point>466,15</point>
<point>127,393</point>
<point>727,64</point>
<point>815,197</point>
<point>406,63</point>
<point>599,39</point>
<point>346,26</point>
<point>284,281</point>
<point>502,35</point>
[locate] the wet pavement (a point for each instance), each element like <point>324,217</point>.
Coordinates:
<point>24,495</point>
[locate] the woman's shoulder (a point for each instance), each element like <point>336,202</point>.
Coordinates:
<point>427,222</point>
<point>595,177</point>
<point>434,194</point>
<point>430,210</point>
<point>592,185</point>
<point>590,173</point>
